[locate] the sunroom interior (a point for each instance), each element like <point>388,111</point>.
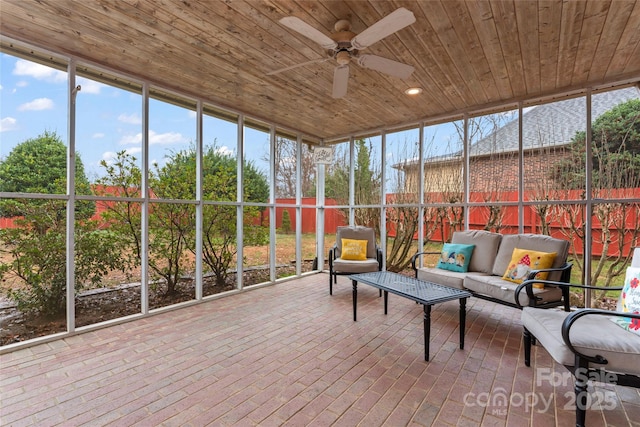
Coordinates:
<point>509,92</point>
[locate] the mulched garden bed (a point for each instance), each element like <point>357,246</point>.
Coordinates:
<point>99,305</point>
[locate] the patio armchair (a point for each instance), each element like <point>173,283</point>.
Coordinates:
<point>355,251</point>
<point>589,342</point>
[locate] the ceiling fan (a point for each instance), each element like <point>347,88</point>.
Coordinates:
<point>344,46</point>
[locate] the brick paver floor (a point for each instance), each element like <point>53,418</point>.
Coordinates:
<point>290,354</point>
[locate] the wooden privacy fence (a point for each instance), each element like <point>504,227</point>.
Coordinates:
<point>506,220</point>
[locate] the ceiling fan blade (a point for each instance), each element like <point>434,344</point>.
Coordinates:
<point>384,65</point>
<point>395,21</point>
<point>302,64</point>
<point>308,31</point>
<point>340,80</point>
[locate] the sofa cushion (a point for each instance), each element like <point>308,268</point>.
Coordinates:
<point>525,260</point>
<point>504,290</point>
<point>486,247</point>
<point>621,348</point>
<point>443,277</point>
<point>455,257</point>
<point>534,242</point>
<point>356,233</point>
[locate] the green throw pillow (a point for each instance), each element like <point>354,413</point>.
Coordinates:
<point>455,257</point>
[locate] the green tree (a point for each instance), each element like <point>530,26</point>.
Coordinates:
<point>219,221</point>
<point>615,149</point>
<point>37,243</point>
<point>171,224</point>
<point>286,222</point>
<point>39,165</point>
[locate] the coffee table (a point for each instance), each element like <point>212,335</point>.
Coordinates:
<point>420,291</point>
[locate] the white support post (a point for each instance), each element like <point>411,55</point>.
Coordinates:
<point>352,181</point>
<point>199,199</point>
<point>239,208</point>
<point>383,198</point>
<point>465,172</point>
<point>520,173</point>
<point>421,190</point>
<point>320,205</point>
<point>144,220</point>
<point>588,235</point>
<point>272,201</point>
<point>299,206</point>
<point>71,197</point>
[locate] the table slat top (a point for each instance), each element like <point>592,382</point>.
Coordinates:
<point>409,287</point>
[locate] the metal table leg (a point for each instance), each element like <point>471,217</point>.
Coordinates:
<point>463,317</point>
<point>355,297</point>
<point>427,330</point>
<point>386,301</point>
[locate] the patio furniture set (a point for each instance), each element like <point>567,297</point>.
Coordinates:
<point>526,271</point>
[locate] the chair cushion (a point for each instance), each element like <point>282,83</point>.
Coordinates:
<point>347,266</point>
<point>355,250</point>
<point>356,233</point>
<point>455,257</point>
<point>525,260</point>
<point>486,246</point>
<point>534,242</point>
<point>504,290</point>
<point>590,335</point>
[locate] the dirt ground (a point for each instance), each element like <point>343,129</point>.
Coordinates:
<point>111,303</point>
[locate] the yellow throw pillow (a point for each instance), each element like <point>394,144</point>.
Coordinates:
<point>354,250</point>
<point>524,260</point>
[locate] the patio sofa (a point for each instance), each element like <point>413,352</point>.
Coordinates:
<point>485,273</point>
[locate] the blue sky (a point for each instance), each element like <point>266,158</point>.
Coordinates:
<point>33,99</point>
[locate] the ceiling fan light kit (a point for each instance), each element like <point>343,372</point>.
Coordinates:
<point>345,46</point>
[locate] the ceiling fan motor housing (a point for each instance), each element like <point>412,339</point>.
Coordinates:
<point>343,36</point>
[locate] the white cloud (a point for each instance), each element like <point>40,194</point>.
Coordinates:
<point>37,105</point>
<point>131,139</point>
<point>165,138</point>
<point>8,123</point>
<point>89,86</point>
<point>39,72</point>
<point>110,156</point>
<point>22,83</point>
<point>132,119</point>
<point>154,138</point>
<point>97,135</point>
<point>224,150</point>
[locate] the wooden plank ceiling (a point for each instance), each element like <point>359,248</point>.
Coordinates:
<point>467,55</point>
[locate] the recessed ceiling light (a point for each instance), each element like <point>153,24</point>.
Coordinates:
<point>413,91</point>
